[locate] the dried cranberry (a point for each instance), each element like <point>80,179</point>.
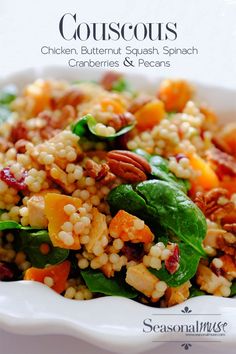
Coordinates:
<point>7,176</point>
<point>133,251</point>
<point>172,262</point>
<point>6,271</point>
<point>179,157</point>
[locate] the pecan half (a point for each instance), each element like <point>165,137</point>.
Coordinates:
<point>118,121</point>
<point>139,102</point>
<point>128,165</point>
<point>100,172</point>
<point>109,79</point>
<point>72,97</point>
<point>224,163</point>
<point>19,131</point>
<point>208,203</point>
<point>230,228</point>
<point>227,244</point>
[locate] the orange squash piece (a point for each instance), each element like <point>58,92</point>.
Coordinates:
<point>40,93</point>
<point>175,94</point>
<point>59,273</point>
<point>207,178</point>
<point>210,116</point>
<point>150,115</point>
<point>54,211</point>
<point>108,104</point>
<point>128,227</point>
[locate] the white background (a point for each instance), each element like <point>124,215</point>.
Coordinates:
<point>27,25</point>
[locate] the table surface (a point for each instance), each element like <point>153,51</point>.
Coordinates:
<point>21,49</point>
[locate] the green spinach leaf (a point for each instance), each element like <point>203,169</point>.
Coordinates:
<point>194,292</point>
<point>188,264</point>
<point>7,94</point>
<point>97,282</point>
<point>13,225</point>
<point>30,244</point>
<point>233,289</point>
<point>160,170</point>
<point>86,127</point>
<point>121,85</point>
<point>175,211</point>
<point>161,203</point>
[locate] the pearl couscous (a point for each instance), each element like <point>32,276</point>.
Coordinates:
<point>108,191</point>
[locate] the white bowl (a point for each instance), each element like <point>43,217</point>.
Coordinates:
<point>116,323</point>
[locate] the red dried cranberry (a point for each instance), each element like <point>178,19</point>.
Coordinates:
<point>7,176</point>
<point>6,273</point>
<point>179,157</point>
<point>133,251</point>
<point>172,262</point>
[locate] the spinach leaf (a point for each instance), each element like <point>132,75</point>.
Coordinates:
<point>188,264</point>
<point>97,282</point>
<point>196,292</point>
<point>121,85</point>
<point>13,225</point>
<point>30,244</point>
<point>160,170</point>
<point>160,203</point>
<point>7,94</point>
<point>86,127</point>
<point>175,211</point>
<point>233,289</point>
<point>118,196</point>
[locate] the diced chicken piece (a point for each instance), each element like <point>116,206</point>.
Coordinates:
<point>141,279</point>
<point>98,231</point>
<point>174,296</point>
<point>211,283</point>
<point>229,265</point>
<point>36,206</point>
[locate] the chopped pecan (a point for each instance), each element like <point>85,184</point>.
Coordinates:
<point>118,121</point>
<point>109,79</point>
<point>229,265</point>
<point>58,121</point>
<point>225,163</point>
<point>19,131</point>
<point>73,97</point>
<point>100,172</point>
<point>139,102</point>
<point>128,165</point>
<point>230,228</point>
<point>225,138</point>
<point>218,271</point>
<point>208,203</point>
<point>225,246</point>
